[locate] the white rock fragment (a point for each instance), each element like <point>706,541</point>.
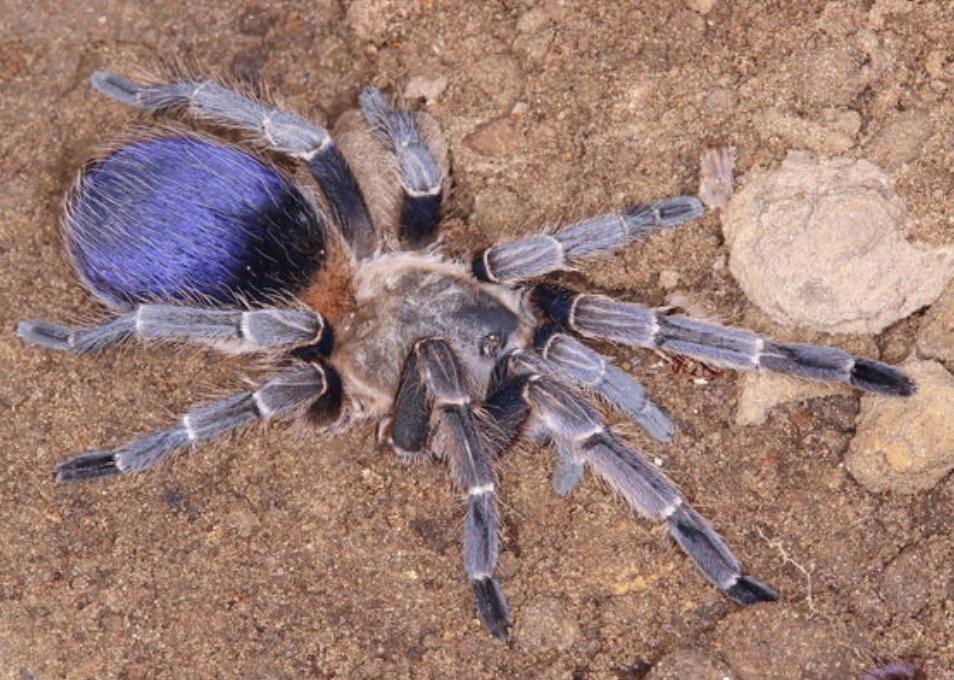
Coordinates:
<point>820,243</point>
<point>716,175</point>
<point>426,87</point>
<point>906,445</point>
<point>936,335</point>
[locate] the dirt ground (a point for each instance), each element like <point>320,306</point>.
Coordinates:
<point>282,556</point>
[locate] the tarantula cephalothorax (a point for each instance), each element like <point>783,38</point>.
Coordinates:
<point>190,238</point>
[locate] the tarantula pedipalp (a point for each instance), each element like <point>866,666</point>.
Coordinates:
<point>190,238</point>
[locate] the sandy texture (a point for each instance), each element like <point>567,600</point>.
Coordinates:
<point>281,556</point>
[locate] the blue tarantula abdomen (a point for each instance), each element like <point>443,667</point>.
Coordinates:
<point>184,218</point>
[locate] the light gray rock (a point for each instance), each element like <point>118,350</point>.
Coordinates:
<point>936,335</point>
<point>820,243</point>
<point>906,445</point>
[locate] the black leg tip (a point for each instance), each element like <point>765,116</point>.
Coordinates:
<point>45,334</point>
<point>88,466</point>
<point>115,86</point>
<point>492,608</point>
<point>875,376</point>
<point>748,591</point>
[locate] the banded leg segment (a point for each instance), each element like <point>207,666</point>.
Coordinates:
<point>293,393</point>
<point>421,177</point>
<point>580,436</point>
<point>540,255</point>
<point>597,316</point>
<point>593,371</point>
<point>434,408</point>
<point>283,131</point>
<point>236,330</point>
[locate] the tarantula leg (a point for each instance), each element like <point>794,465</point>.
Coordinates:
<point>579,434</point>
<point>236,330</point>
<point>597,316</point>
<point>433,394</point>
<point>421,176</point>
<point>295,392</point>
<point>591,370</point>
<point>540,255</point>
<point>282,131</point>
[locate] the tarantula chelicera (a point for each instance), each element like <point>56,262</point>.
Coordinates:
<point>191,238</point>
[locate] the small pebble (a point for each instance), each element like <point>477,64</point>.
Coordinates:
<point>496,138</point>
<point>429,88</point>
<point>936,336</point>
<point>906,445</point>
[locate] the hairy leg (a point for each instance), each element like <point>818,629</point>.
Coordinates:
<point>433,408</point>
<point>538,255</point>
<point>598,316</point>
<point>420,174</point>
<point>293,393</point>
<point>236,330</point>
<point>581,438</point>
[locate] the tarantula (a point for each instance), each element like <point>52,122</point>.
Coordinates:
<point>188,237</point>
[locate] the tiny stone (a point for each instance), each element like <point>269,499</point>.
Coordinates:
<point>519,110</point>
<point>668,278</point>
<point>243,521</point>
<point>547,623</point>
<point>938,64</point>
<point>496,138</point>
<point>716,172</point>
<point>428,88</point>
<point>701,6</point>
